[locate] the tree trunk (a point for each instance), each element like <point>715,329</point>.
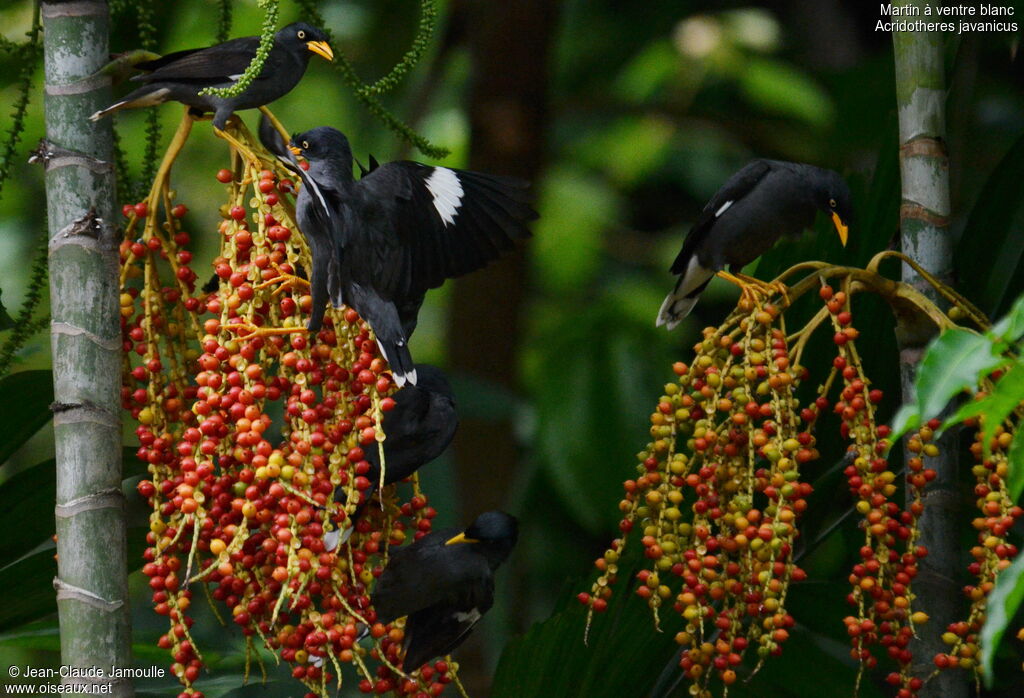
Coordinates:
<point>92,589</point>
<point>925,237</point>
<point>509,44</point>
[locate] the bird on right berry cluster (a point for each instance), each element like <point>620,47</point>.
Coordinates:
<point>744,219</point>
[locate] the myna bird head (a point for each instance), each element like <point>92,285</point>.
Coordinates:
<point>493,533</point>
<point>327,151</point>
<point>832,196</point>
<point>306,36</point>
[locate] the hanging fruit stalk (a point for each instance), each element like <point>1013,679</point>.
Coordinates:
<point>242,500</point>
<point>718,493</point>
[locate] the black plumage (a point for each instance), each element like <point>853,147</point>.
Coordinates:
<point>754,208</point>
<point>444,583</point>
<point>397,232</point>
<point>417,429</point>
<point>182,75</point>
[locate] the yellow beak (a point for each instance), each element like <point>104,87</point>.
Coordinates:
<point>296,150</point>
<point>841,228</point>
<point>322,49</point>
<point>461,538</point>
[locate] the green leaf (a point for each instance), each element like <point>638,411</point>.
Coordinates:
<point>952,363</point>
<point>26,506</point>
<point>906,418</point>
<point>1016,463</point>
<point>6,321</point>
<point>28,586</point>
<point>575,209</point>
<point>994,407</point>
<point>37,635</point>
<point>624,655</point>
<point>1002,604</point>
<point>1011,327</point>
<point>994,224</point>
<point>24,408</point>
<point>591,394</point>
<point>782,89</point>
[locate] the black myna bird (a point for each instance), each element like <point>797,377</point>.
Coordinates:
<point>444,583</point>
<point>182,75</point>
<point>417,429</point>
<point>398,231</point>
<point>754,208</point>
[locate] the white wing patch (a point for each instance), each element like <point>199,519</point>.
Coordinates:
<point>723,208</point>
<point>445,187</point>
<point>470,617</point>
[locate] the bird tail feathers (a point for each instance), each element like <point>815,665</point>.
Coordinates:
<point>396,353</point>
<point>684,296</point>
<point>147,96</point>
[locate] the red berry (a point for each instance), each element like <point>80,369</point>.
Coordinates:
<point>224,176</point>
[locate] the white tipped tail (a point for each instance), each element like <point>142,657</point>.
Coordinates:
<point>400,363</point>
<point>109,110</point>
<point>674,309</point>
<point>142,97</point>
<point>678,304</point>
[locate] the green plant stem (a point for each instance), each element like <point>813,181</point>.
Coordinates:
<point>91,583</point>
<point>29,51</point>
<point>24,325</point>
<point>366,93</point>
<point>925,237</point>
<point>252,71</point>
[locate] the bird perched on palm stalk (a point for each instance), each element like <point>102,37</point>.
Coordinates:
<point>754,208</point>
<point>417,430</point>
<point>444,584</point>
<point>182,75</point>
<point>400,230</point>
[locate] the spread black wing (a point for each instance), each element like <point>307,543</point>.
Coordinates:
<point>734,189</point>
<point>213,65</point>
<point>443,222</point>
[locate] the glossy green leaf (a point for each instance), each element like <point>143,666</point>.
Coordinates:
<point>1005,397</point>
<point>952,363</point>
<point>1002,604</point>
<point>623,657</point>
<point>591,397</point>
<point>28,586</point>
<point>1010,327</point>
<point>24,409</point>
<point>1015,482</point>
<point>26,506</point>
<point>906,418</point>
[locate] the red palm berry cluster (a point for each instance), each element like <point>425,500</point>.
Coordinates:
<point>250,427</point>
<point>718,517</point>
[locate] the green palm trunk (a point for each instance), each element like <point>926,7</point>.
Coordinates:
<point>91,586</point>
<point>925,236</point>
